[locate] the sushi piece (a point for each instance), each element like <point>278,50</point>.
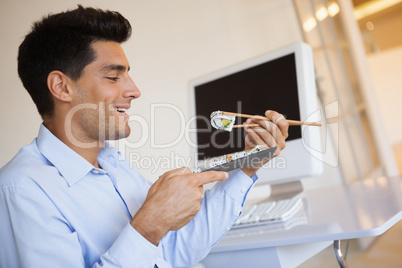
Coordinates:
<point>221,121</point>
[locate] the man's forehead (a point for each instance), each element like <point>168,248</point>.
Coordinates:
<point>110,56</point>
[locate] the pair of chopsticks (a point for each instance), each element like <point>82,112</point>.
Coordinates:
<point>291,122</point>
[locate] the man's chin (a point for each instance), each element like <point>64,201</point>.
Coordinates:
<point>124,134</point>
<point>121,134</point>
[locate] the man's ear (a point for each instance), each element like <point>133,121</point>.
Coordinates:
<point>57,82</point>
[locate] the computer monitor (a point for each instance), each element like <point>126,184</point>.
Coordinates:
<point>282,80</point>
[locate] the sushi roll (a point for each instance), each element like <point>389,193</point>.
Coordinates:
<point>221,121</point>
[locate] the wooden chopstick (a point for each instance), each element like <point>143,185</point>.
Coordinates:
<point>291,122</point>
<point>246,125</point>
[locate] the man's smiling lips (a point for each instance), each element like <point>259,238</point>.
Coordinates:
<point>121,110</point>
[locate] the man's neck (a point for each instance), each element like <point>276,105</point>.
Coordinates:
<point>86,148</point>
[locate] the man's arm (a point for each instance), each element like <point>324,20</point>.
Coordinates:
<point>220,208</point>
<point>172,201</point>
<point>222,205</point>
<point>35,232</point>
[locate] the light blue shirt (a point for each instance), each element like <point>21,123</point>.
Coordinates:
<point>57,210</point>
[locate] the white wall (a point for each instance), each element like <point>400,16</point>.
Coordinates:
<point>387,83</point>
<point>172,42</point>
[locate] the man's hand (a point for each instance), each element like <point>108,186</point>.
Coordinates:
<point>269,134</point>
<point>172,201</point>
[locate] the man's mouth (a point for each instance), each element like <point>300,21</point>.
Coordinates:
<point>121,110</point>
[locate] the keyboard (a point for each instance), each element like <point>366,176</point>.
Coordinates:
<point>269,212</point>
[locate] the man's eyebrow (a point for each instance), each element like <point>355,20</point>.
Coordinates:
<point>115,67</point>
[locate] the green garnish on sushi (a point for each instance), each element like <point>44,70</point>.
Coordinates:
<point>226,122</point>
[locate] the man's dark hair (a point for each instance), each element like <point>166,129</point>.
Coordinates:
<point>63,42</point>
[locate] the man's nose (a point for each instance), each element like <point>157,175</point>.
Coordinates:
<point>131,90</point>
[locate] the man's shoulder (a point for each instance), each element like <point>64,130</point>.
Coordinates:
<point>23,165</point>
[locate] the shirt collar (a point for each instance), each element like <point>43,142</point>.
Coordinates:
<point>109,155</point>
<point>71,165</point>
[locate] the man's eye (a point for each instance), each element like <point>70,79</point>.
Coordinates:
<point>114,79</point>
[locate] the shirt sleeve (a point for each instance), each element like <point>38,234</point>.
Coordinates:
<point>32,229</point>
<point>34,233</point>
<point>220,208</point>
<point>130,250</point>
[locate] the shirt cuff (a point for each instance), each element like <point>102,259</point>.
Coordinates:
<point>132,250</point>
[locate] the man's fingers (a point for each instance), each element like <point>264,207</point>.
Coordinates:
<point>274,132</point>
<point>211,176</point>
<point>270,133</point>
<point>255,137</point>
<point>197,179</point>
<point>279,120</point>
<point>177,171</point>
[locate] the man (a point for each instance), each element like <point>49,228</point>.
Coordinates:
<point>66,200</point>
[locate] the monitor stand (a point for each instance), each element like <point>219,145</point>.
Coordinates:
<point>285,190</point>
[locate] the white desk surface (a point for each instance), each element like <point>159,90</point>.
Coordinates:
<point>357,210</point>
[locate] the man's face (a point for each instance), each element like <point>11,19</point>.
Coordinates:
<point>103,94</point>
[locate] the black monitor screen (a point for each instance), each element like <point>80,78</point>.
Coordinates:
<point>271,85</point>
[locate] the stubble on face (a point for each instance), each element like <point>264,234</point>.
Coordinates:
<point>97,121</point>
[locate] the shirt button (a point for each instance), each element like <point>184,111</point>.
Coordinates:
<point>243,190</point>
<point>228,228</point>
<point>95,171</point>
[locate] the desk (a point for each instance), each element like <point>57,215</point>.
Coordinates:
<point>357,210</point>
